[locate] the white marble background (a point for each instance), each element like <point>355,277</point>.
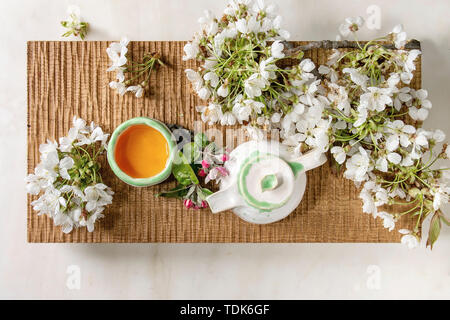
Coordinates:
<point>206,271</point>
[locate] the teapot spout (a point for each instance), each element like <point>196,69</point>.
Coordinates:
<point>225,200</point>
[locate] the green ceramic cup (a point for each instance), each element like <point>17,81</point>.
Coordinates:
<point>142,182</point>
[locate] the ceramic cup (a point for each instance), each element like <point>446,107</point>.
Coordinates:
<point>142,182</point>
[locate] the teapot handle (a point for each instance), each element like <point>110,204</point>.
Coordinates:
<point>312,159</point>
<point>226,199</point>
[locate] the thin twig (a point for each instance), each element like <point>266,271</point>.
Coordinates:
<point>328,44</point>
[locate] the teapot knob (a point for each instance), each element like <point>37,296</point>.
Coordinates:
<point>269,182</point>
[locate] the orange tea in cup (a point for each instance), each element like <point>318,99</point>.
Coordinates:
<point>141,151</point>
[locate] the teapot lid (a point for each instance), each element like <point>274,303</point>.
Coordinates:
<point>265,181</point>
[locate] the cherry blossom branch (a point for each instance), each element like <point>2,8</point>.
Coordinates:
<point>328,44</point>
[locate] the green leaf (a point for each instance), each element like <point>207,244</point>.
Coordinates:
<point>191,151</point>
<point>183,172</point>
<point>207,192</point>
<point>435,229</point>
<point>445,220</point>
<point>203,193</point>
<point>201,140</point>
<point>190,191</point>
<point>178,192</point>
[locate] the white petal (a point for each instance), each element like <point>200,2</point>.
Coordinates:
<point>394,157</point>
<point>392,142</point>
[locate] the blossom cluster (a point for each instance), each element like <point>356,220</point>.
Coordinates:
<point>138,72</point>
<point>211,169</point>
<point>68,178</point>
<point>73,24</point>
<point>376,132</point>
<point>243,80</point>
<point>198,163</point>
<point>213,161</point>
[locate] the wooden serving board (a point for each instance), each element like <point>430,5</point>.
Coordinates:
<point>70,78</point>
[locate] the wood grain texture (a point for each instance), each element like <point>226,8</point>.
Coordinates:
<point>70,78</point>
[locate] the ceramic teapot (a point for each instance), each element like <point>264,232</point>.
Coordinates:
<point>266,181</point>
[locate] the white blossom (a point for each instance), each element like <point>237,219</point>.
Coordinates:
<point>338,154</point>
<point>223,91</point>
<point>211,113</point>
<point>228,119</point>
<point>117,54</point>
<point>267,68</point>
<point>277,49</point>
<point>399,36</point>
<point>418,114</point>
<point>276,23</point>
<point>362,117</point>
<point>388,220</point>
<point>334,76</point>
<point>365,195</point>
<point>119,86</point>
<point>212,78</point>
<point>209,23</point>
<point>64,165</point>
<point>421,98</point>
<point>74,24</point>
<point>242,111</point>
<point>191,49</point>
<point>276,117</point>
<point>97,196</point>
<point>247,26</point>
<point>254,85</point>
<point>438,135</point>
<point>394,157</point>
<point>351,25</point>
<point>410,240</point>
<point>137,90</point>
<point>358,78</point>
<point>261,7</point>
<point>204,93</point>
<point>307,65</point>
<point>78,129</point>
<point>440,197</point>
<point>195,78</point>
<point>358,165</point>
<point>95,135</point>
<point>375,99</point>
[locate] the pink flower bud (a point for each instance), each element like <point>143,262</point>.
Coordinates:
<point>188,203</point>
<point>205,164</point>
<point>225,157</point>
<point>201,173</point>
<point>223,172</point>
<point>204,204</point>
